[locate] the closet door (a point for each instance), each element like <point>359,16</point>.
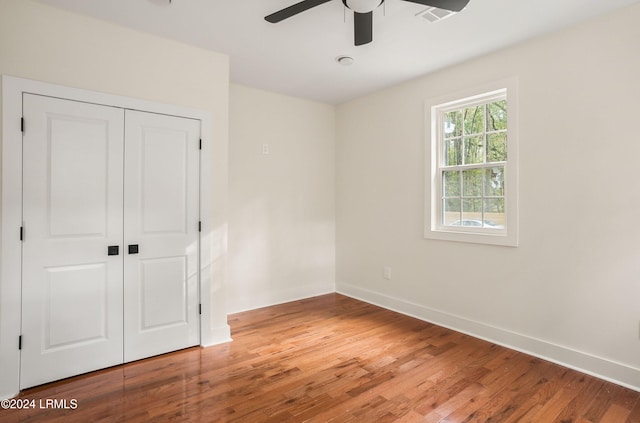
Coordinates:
<point>72,213</point>
<point>161,217</point>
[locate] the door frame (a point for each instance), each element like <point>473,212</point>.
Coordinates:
<point>11,245</point>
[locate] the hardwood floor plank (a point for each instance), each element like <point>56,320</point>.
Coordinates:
<point>604,399</point>
<point>335,359</point>
<point>615,414</point>
<point>577,407</point>
<point>634,414</point>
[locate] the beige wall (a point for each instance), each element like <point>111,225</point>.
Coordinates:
<point>281,204</point>
<point>571,290</point>
<point>47,44</point>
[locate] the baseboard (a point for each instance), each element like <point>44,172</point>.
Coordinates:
<point>618,373</point>
<point>218,335</point>
<point>279,297</point>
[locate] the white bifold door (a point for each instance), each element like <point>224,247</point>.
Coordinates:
<point>110,237</point>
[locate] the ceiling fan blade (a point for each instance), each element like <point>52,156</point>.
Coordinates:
<point>292,10</point>
<point>362,28</point>
<point>453,5</point>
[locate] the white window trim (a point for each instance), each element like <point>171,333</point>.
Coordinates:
<point>433,229</point>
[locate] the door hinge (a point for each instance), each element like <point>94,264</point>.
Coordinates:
<point>200,226</point>
<point>200,143</point>
<point>20,342</point>
<point>199,308</point>
<point>21,233</point>
<point>21,124</point>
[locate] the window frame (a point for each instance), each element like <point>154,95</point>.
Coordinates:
<point>435,108</point>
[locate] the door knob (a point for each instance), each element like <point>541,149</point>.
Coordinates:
<point>113,250</point>
<point>133,249</point>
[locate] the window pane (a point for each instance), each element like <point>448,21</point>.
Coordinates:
<point>474,150</point>
<point>497,147</point>
<point>494,215</point>
<point>497,115</point>
<point>453,152</point>
<point>452,124</point>
<point>474,120</point>
<point>472,183</point>
<point>472,212</point>
<point>451,211</point>
<point>451,183</point>
<point>494,182</point>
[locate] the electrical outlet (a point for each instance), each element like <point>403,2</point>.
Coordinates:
<point>386,273</point>
<point>265,149</point>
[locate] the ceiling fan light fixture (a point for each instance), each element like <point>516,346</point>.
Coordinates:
<point>363,6</point>
<point>362,13</point>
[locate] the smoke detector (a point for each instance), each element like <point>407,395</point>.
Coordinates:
<point>345,60</point>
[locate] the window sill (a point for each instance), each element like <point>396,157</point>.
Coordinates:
<point>507,240</point>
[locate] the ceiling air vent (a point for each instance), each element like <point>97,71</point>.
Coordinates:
<point>433,14</point>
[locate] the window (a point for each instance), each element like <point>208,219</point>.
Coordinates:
<point>473,175</point>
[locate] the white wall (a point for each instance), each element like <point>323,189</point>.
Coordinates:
<point>568,292</point>
<point>571,290</point>
<point>281,204</point>
<point>43,43</point>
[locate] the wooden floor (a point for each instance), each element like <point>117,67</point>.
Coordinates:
<point>335,359</point>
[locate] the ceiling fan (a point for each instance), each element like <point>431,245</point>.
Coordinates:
<point>363,13</point>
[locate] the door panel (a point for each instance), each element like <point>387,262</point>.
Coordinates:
<point>163,298</point>
<point>78,176</point>
<point>72,211</point>
<point>161,217</point>
<point>83,322</point>
<point>164,180</point>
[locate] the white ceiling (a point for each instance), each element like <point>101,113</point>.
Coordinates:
<point>297,56</point>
